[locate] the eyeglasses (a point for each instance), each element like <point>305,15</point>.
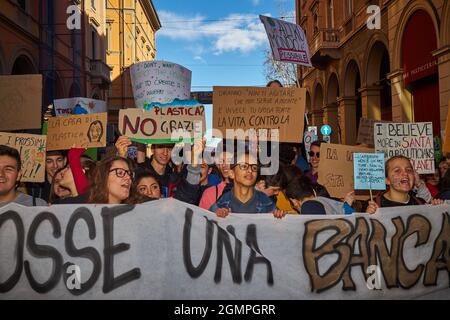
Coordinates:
<point>245,166</point>
<point>120,173</point>
<point>312,153</point>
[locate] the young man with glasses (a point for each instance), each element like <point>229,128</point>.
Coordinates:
<point>243,197</point>
<point>314,160</point>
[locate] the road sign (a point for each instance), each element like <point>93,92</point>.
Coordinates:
<point>327,139</point>
<point>325,130</point>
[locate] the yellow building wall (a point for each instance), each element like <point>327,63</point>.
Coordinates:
<point>131,40</point>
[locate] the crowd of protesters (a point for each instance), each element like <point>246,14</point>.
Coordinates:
<point>232,185</point>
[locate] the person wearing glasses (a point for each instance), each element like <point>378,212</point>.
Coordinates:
<point>111,182</point>
<point>243,197</point>
<point>314,160</point>
<point>158,164</point>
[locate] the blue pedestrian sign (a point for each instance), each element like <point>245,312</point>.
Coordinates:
<point>325,130</point>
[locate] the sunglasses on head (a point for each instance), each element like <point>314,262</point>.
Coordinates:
<point>311,154</point>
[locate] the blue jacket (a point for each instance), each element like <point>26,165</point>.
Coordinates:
<point>263,203</point>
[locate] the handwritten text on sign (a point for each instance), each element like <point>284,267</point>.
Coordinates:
<point>260,108</point>
<point>64,107</point>
<point>159,81</point>
<point>31,148</point>
<point>412,140</point>
<point>122,252</point>
<point>369,171</point>
<point>158,124</point>
<point>287,40</point>
<point>336,168</point>
<point>84,131</point>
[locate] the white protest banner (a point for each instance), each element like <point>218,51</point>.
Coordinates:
<point>64,107</point>
<point>159,81</point>
<point>167,249</point>
<point>31,148</point>
<point>287,40</point>
<point>159,123</point>
<point>369,171</point>
<point>412,140</point>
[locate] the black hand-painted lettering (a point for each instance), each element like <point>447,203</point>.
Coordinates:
<point>89,253</point>
<point>20,230</point>
<point>109,281</point>
<point>252,242</point>
<point>41,251</point>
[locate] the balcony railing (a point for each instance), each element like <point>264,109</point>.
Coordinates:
<point>101,70</point>
<point>325,45</point>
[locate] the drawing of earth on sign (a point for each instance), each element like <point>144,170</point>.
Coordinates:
<point>9,104</point>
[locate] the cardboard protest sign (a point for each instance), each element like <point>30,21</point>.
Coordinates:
<point>64,107</point>
<point>336,168</point>
<point>31,148</point>
<point>446,143</point>
<point>287,40</point>
<point>365,131</point>
<point>20,102</point>
<point>196,255</point>
<point>369,171</point>
<point>412,140</point>
<point>161,123</point>
<point>159,81</point>
<point>261,109</point>
<point>83,131</point>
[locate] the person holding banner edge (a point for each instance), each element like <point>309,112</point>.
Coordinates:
<point>400,178</point>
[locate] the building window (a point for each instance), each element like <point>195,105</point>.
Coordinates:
<point>108,37</point>
<point>330,14</point>
<point>316,23</point>
<point>94,4</point>
<point>349,8</point>
<point>94,45</point>
<point>22,4</point>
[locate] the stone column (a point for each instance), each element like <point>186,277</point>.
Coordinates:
<point>347,119</point>
<point>371,102</point>
<point>330,117</point>
<point>443,55</point>
<point>402,110</point>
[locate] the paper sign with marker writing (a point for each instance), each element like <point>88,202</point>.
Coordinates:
<point>159,124</point>
<point>159,81</point>
<point>84,131</point>
<point>369,171</point>
<point>412,140</point>
<point>31,148</point>
<point>64,107</point>
<point>287,40</point>
<point>336,168</point>
<point>261,109</point>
